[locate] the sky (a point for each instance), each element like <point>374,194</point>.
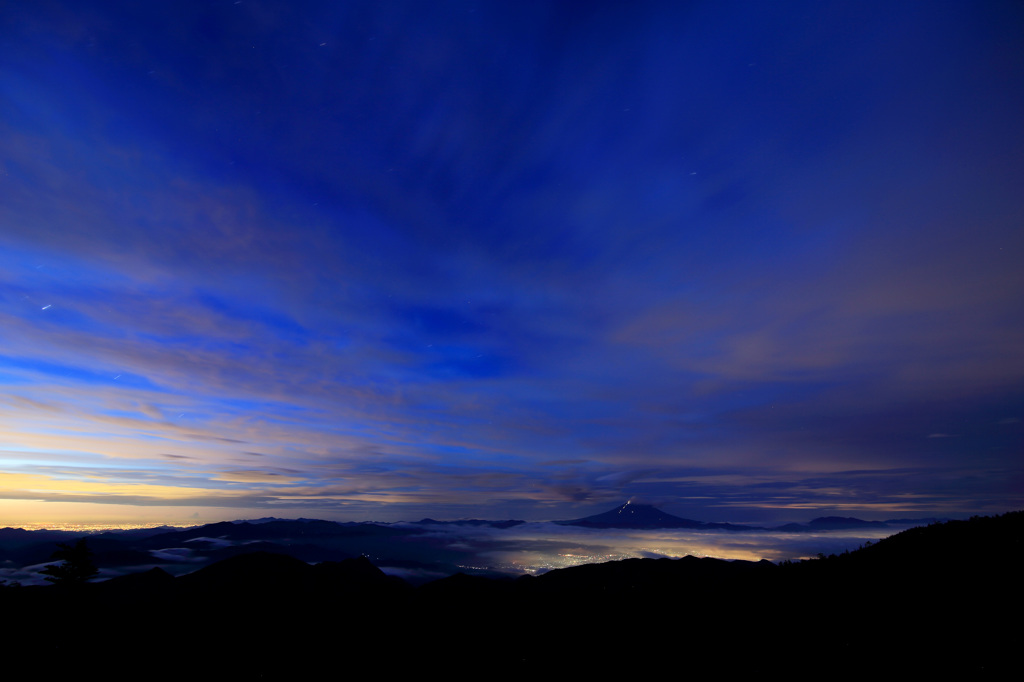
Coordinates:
<point>745,261</point>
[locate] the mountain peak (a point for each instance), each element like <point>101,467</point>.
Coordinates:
<point>633,515</point>
<point>631,507</point>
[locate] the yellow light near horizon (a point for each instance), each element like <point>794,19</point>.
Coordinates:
<point>36,514</point>
<point>27,485</point>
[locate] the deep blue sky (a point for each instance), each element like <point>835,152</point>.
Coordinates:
<point>379,260</point>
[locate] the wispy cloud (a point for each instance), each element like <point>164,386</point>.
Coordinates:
<point>538,274</point>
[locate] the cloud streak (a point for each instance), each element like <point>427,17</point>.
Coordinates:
<point>363,259</point>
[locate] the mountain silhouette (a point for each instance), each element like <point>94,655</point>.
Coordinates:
<point>833,523</point>
<point>925,601</point>
<point>643,516</point>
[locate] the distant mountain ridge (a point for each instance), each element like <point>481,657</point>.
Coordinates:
<point>416,550</point>
<point>930,596</point>
<point>509,523</point>
<point>627,515</point>
<point>832,523</point>
<point>644,516</point>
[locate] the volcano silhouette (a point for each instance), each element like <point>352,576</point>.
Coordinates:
<point>632,515</point>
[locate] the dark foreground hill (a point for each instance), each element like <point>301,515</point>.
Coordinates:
<point>941,598</point>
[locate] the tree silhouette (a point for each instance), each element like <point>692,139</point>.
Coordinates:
<point>77,568</point>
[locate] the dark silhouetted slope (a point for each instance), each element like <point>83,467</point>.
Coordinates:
<point>935,600</point>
